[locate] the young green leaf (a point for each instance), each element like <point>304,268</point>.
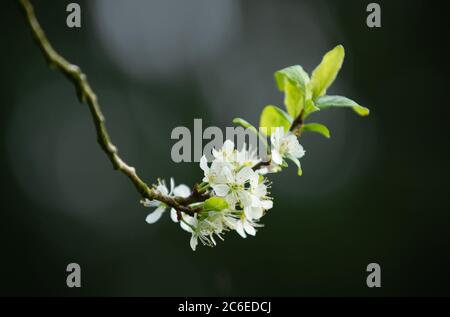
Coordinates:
<point>294,99</point>
<point>310,107</point>
<point>339,101</point>
<point>324,75</point>
<point>293,81</point>
<point>294,74</point>
<point>317,127</point>
<point>215,203</point>
<point>274,117</point>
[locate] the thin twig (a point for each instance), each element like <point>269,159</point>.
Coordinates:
<point>87,95</point>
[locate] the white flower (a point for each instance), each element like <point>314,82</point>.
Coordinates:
<point>234,190</point>
<point>245,226</point>
<point>284,144</point>
<point>190,224</point>
<point>217,173</point>
<point>226,153</point>
<point>230,176</point>
<point>180,190</point>
<point>200,230</point>
<point>260,201</point>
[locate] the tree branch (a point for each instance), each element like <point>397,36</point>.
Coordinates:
<point>87,95</point>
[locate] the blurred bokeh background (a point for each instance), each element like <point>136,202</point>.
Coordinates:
<point>375,192</point>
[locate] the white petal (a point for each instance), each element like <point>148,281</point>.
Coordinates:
<point>244,175</point>
<point>228,174</point>
<point>185,227</point>
<point>173,215</point>
<point>245,198</point>
<point>221,190</point>
<point>172,185</point>
<point>296,150</point>
<point>193,242</point>
<point>241,156</point>
<point>277,136</point>
<point>267,204</point>
<point>240,229</point>
<point>276,157</point>
<point>155,215</point>
<point>231,200</point>
<point>257,213</point>
<point>190,220</point>
<point>228,146</point>
<point>249,228</point>
<point>248,213</point>
<point>150,203</point>
<point>182,191</point>
<point>261,190</point>
<point>204,164</point>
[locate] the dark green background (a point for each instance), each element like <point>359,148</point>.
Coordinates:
<point>376,192</point>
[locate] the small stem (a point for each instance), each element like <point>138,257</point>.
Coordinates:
<point>297,124</point>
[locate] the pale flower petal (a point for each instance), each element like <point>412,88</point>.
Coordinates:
<point>276,157</point>
<point>244,175</point>
<point>155,215</point>
<point>267,204</point>
<point>193,242</point>
<point>221,189</point>
<point>204,164</point>
<point>173,215</point>
<point>240,229</point>
<point>185,227</point>
<point>182,191</point>
<point>249,228</point>
<point>257,213</point>
<point>228,146</point>
<point>150,203</point>
<point>172,185</point>
<point>245,197</point>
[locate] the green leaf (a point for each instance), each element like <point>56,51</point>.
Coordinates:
<point>215,203</point>
<point>274,117</point>
<point>296,162</point>
<point>317,127</point>
<point>324,75</point>
<point>293,81</point>
<point>294,74</point>
<point>310,107</point>
<point>339,101</point>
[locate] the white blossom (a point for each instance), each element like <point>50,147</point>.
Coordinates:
<point>217,173</point>
<point>245,226</point>
<point>180,190</point>
<point>230,176</point>
<point>234,190</point>
<point>260,200</point>
<point>226,154</point>
<point>284,144</point>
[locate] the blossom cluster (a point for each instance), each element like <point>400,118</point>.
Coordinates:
<point>238,192</point>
